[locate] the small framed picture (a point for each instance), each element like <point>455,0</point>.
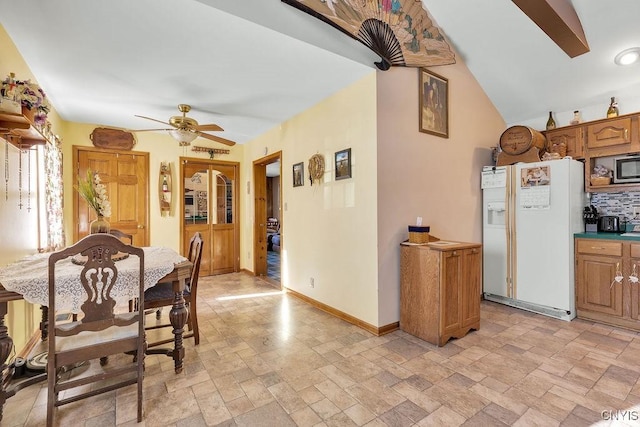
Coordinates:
<point>343,164</point>
<point>298,174</point>
<point>434,104</point>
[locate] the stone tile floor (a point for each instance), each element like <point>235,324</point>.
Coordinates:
<point>268,359</point>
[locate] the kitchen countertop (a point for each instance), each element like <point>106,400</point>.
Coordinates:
<point>608,236</point>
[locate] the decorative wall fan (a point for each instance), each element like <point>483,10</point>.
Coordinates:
<point>400,31</point>
<point>185,129</point>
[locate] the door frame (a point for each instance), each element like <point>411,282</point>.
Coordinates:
<point>236,201</point>
<point>260,207</point>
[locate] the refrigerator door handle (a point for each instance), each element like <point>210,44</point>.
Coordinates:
<point>510,232</point>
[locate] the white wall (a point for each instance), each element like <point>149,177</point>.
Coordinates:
<point>329,229</point>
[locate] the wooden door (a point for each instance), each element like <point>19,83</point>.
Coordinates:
<point>260,223</point>
<point>262,206</point>
<point>126,176</point>
<point>596,289</point>
<point>209,204</point>
<point>471,286</point>
<point>450,295</point>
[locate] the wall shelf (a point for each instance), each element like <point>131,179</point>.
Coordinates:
<point>20,129</point>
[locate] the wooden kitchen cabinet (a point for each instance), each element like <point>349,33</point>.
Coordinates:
<point>599,296</point>
<point>599,139</point>
<point>598,263</point>
<point>610,133</point>
<point>440,290</point>
<point>634,271</point>
<point>572,137</point>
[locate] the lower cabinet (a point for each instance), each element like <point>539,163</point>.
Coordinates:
<point>607,281</point>
<point>440,290</point>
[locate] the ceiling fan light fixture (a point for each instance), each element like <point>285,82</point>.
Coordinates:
<point>628,56</point>
<point>183,136</point>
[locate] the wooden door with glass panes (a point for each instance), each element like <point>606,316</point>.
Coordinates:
<point>209,206</point>
<point>126,176</point>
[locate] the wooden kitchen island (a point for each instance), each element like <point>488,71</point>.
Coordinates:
<point>440,288</point>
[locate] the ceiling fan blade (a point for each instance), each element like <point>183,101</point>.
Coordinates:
<point>147,130</point>
<point>217,139</point>
<point>210,127</point>
<point>155,120</point>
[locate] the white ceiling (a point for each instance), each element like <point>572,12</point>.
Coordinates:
<point>252,64</point>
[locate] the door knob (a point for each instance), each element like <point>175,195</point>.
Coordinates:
<point>140,226</point>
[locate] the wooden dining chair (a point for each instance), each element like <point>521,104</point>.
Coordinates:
<point>162,295</point>
<point>100,330</point>
<point>127,238</point>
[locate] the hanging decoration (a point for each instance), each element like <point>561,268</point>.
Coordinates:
<point>211,151</point>
<point>29,180</point>
<point>316,167</point>
<point>400,31</point>
<point>20,179</point>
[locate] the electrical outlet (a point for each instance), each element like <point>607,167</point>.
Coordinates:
<point>636,212</point>
<point>312,282</point>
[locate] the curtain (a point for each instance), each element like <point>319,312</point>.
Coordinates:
<point>54,195</point>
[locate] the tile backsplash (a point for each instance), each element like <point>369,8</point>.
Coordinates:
<point>619,204</point>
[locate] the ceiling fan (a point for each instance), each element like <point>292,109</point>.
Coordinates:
<point>185,129</point>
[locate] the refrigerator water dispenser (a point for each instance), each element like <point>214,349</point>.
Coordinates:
<point>496,213</point>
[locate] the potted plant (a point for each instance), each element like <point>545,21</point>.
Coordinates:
<point>94,193</point>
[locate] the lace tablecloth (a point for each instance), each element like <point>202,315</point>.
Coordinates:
<point>29,277</point>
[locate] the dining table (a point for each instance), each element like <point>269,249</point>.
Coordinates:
<point>27,279</point>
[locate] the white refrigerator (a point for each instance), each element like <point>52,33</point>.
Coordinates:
<point>530,213</point>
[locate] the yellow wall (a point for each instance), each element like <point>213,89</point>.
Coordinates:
<point>19,235</point>
<point>21,238</point>
<point>345,234</point>
<point>164,230</point>
<point>328,228</point>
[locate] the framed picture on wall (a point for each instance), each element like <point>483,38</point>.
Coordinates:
<point>298,174</point>
<point>343,164</point>
<point>434,104</point>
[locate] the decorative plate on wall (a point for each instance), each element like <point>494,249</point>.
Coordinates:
<point>400,31</point>
<point>114,139</point>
